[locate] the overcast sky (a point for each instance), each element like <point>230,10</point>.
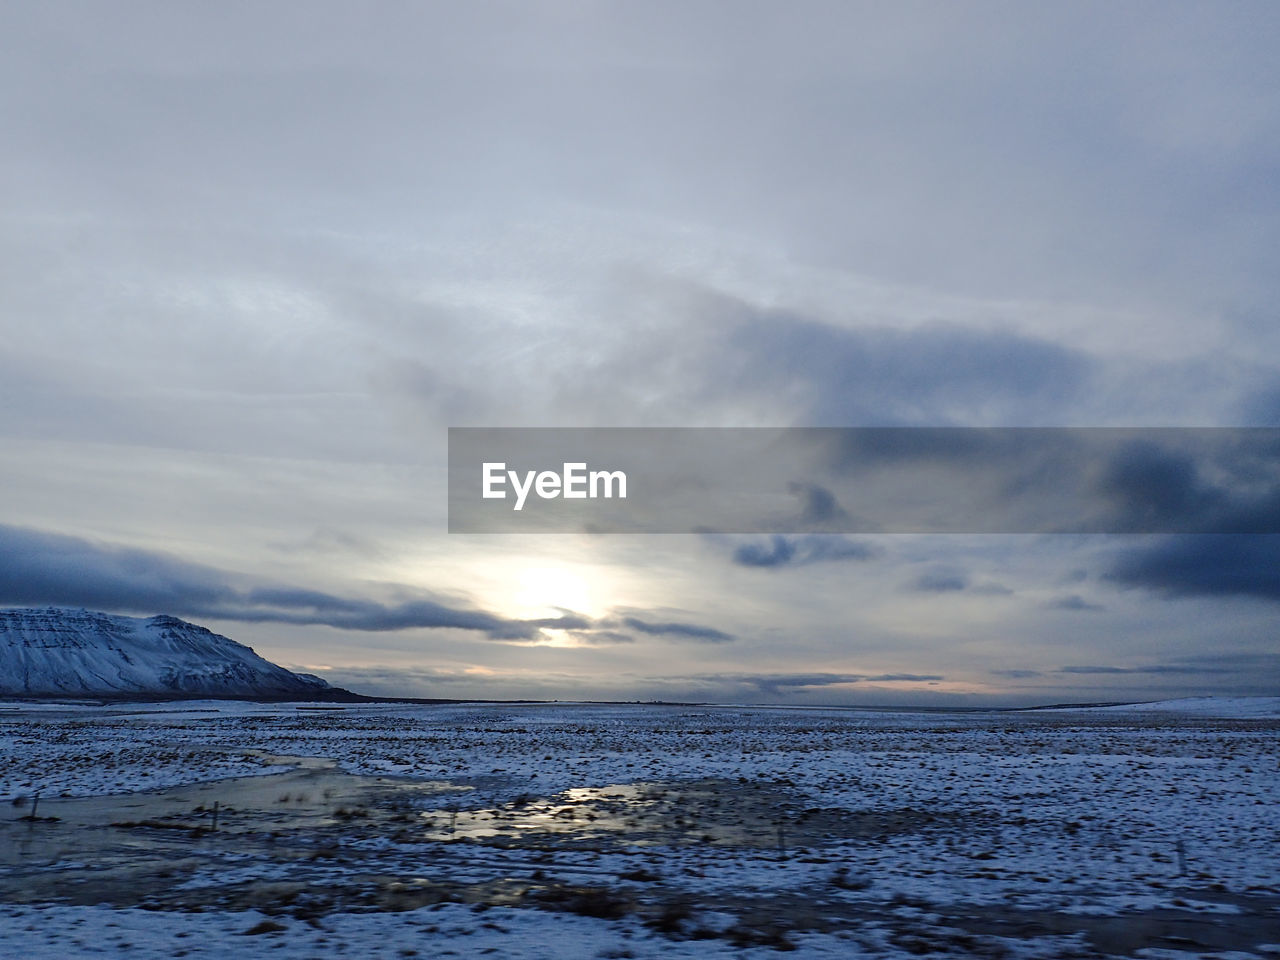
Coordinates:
<point>256,258</point>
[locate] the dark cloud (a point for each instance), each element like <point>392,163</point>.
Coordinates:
<point>49,568</point>
<point>1203,565</point>
<point>894,479</point>
<point>1015,674</point>
<point>1256,664</point>
<point>1206,481</point>
<point>600,637</point>
<point>45,568</point>
<point>1160,668</point>
<point>683,631</point>
<point>780,551</point>
<point>945,579</point>
<point>929,374</point>
<point>524,629</point>
<point>818,505</point>
<point>903,677</point>
<point>778,683</point>
<point>941,581</point>
<point>368,616</point>
<point>1150,487</point>
<point>1073,480</point>
<point>1074,602</point>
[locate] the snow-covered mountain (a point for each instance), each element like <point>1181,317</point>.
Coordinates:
<point>57,652</point>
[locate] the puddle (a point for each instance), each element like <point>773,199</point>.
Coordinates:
<point>721,812</point>
<point>315,817</point>
<point>314,794</point>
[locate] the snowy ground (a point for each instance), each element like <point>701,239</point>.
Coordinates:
<point>596,831</point>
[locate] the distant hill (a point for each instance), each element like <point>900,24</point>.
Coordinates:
<point>1210,706</point>
<point>59,652</point>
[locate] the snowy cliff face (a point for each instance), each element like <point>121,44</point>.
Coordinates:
<point>60,652</point>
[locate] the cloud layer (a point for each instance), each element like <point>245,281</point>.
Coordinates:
<point>256,258</point>
<point>43,568</point>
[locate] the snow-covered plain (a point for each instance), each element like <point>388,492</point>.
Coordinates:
<point>641,830</point>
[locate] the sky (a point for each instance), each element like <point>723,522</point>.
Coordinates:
<point>256,259</point>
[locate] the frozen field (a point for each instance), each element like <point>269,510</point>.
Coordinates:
<point>218,829</point>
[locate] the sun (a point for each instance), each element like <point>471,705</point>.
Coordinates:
<point>545,591</point>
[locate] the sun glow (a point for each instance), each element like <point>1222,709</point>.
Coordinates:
<point>548,591</point>
<point>556,638</point>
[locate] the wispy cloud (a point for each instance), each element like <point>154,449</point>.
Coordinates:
<point>677,630</point>
<point>782,551</point>
<point>778,683</point>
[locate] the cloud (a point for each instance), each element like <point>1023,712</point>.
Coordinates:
<point>780,551</point>
<point>991,589</point>
<point>946,579</point>
<point>778,683</point>
<point>683,631</point>
<point>1186,674</point>
<point>818,505</point>
<point>48,568</point>
<point>1149,487</point>
<point>468,684</point>
<point>40,568</point>
<point>525,629</point>
<point>1073,480</point>
<point>599,637</point>
<point>1208,481</point>
<point>45,568</point>
<point>911,479</point>
<point>941,581</point>
<point>1254,664</point>
<point>1162,668</point>
<point>1073,602</point>
<point>929,374</point>
<point>1219,565</point>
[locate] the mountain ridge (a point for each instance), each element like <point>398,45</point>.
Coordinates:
<point>61,652</point>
